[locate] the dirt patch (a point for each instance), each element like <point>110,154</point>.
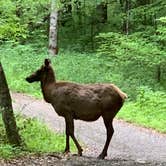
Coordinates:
<point>60,160</point>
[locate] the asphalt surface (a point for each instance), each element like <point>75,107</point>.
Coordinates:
<point>129,142</point>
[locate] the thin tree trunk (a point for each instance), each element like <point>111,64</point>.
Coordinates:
<point>102,12</point>
<point>158,73</point>
<point>127,7</point>
<point>53,32</point>
<point>92,33</point>
<point>7,111</point>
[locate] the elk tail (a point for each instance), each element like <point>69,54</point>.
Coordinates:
<point>122,94</point>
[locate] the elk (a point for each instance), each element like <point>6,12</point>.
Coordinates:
<point>85,102</point>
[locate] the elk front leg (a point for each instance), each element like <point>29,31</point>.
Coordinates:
<point>67,148</point>
<point>70,130</point>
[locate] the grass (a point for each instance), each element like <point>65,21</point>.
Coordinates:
<point>22,61</point>
<point>37,138</point>
<point>149,110</point>
<point>145,106</point>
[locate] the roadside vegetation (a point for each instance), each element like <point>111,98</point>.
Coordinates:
<point>36,137</point>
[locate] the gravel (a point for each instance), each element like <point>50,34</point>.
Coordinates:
<point>60,160</point>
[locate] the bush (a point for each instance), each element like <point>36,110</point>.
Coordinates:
<point>148,110</point>
<point>37,138</point>
<point>140,62</point>
<point>21,19</point>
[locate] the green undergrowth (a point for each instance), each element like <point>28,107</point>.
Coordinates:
<point>146,102</point>
<point>36,137</point>
<point>20,61</point>
<point>149,110</point>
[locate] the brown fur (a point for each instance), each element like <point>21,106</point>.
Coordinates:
<point>80,101</point>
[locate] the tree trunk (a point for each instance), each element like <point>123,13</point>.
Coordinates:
<point>53,32</point>
<point>7,111</point>
<point>125,5</point>
<point>158,73</point>
<point>92,34</point>
<point>102,12</point>
<point>126,24</point>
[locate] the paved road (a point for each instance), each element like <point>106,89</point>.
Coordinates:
<point>128,143</point>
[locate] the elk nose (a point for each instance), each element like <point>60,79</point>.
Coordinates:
<point>28,79</point>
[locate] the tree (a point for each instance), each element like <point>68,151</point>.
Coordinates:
<point>7,111</point>
<point>125,5</point>
<point>53,34</point>
<point>102,12</point>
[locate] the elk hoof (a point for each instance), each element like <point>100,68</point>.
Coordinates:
<point>80,152</point>
<point>101,156</point>
<point>66,152</point>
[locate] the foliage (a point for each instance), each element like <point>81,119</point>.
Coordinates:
<point>148,110</point>
<point>160,35</point>
<point>17,59</point>
<point>10,28</point>
<point>122,47</point>
<point>22,60</point>
<point>80,21</point>
<point>133,57</point>
<point>83,23</point>
<point>36,136</point>
<point>21,19</point>
<point>7,151</point>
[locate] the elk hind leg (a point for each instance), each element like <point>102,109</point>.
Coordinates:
<point>110,131</point>
<point>67,148</point>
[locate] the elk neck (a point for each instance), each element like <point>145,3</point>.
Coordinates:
<point>47,84</point>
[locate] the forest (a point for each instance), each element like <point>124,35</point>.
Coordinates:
<point>99,41</point>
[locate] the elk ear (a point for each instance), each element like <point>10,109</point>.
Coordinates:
<point>47,62</point>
